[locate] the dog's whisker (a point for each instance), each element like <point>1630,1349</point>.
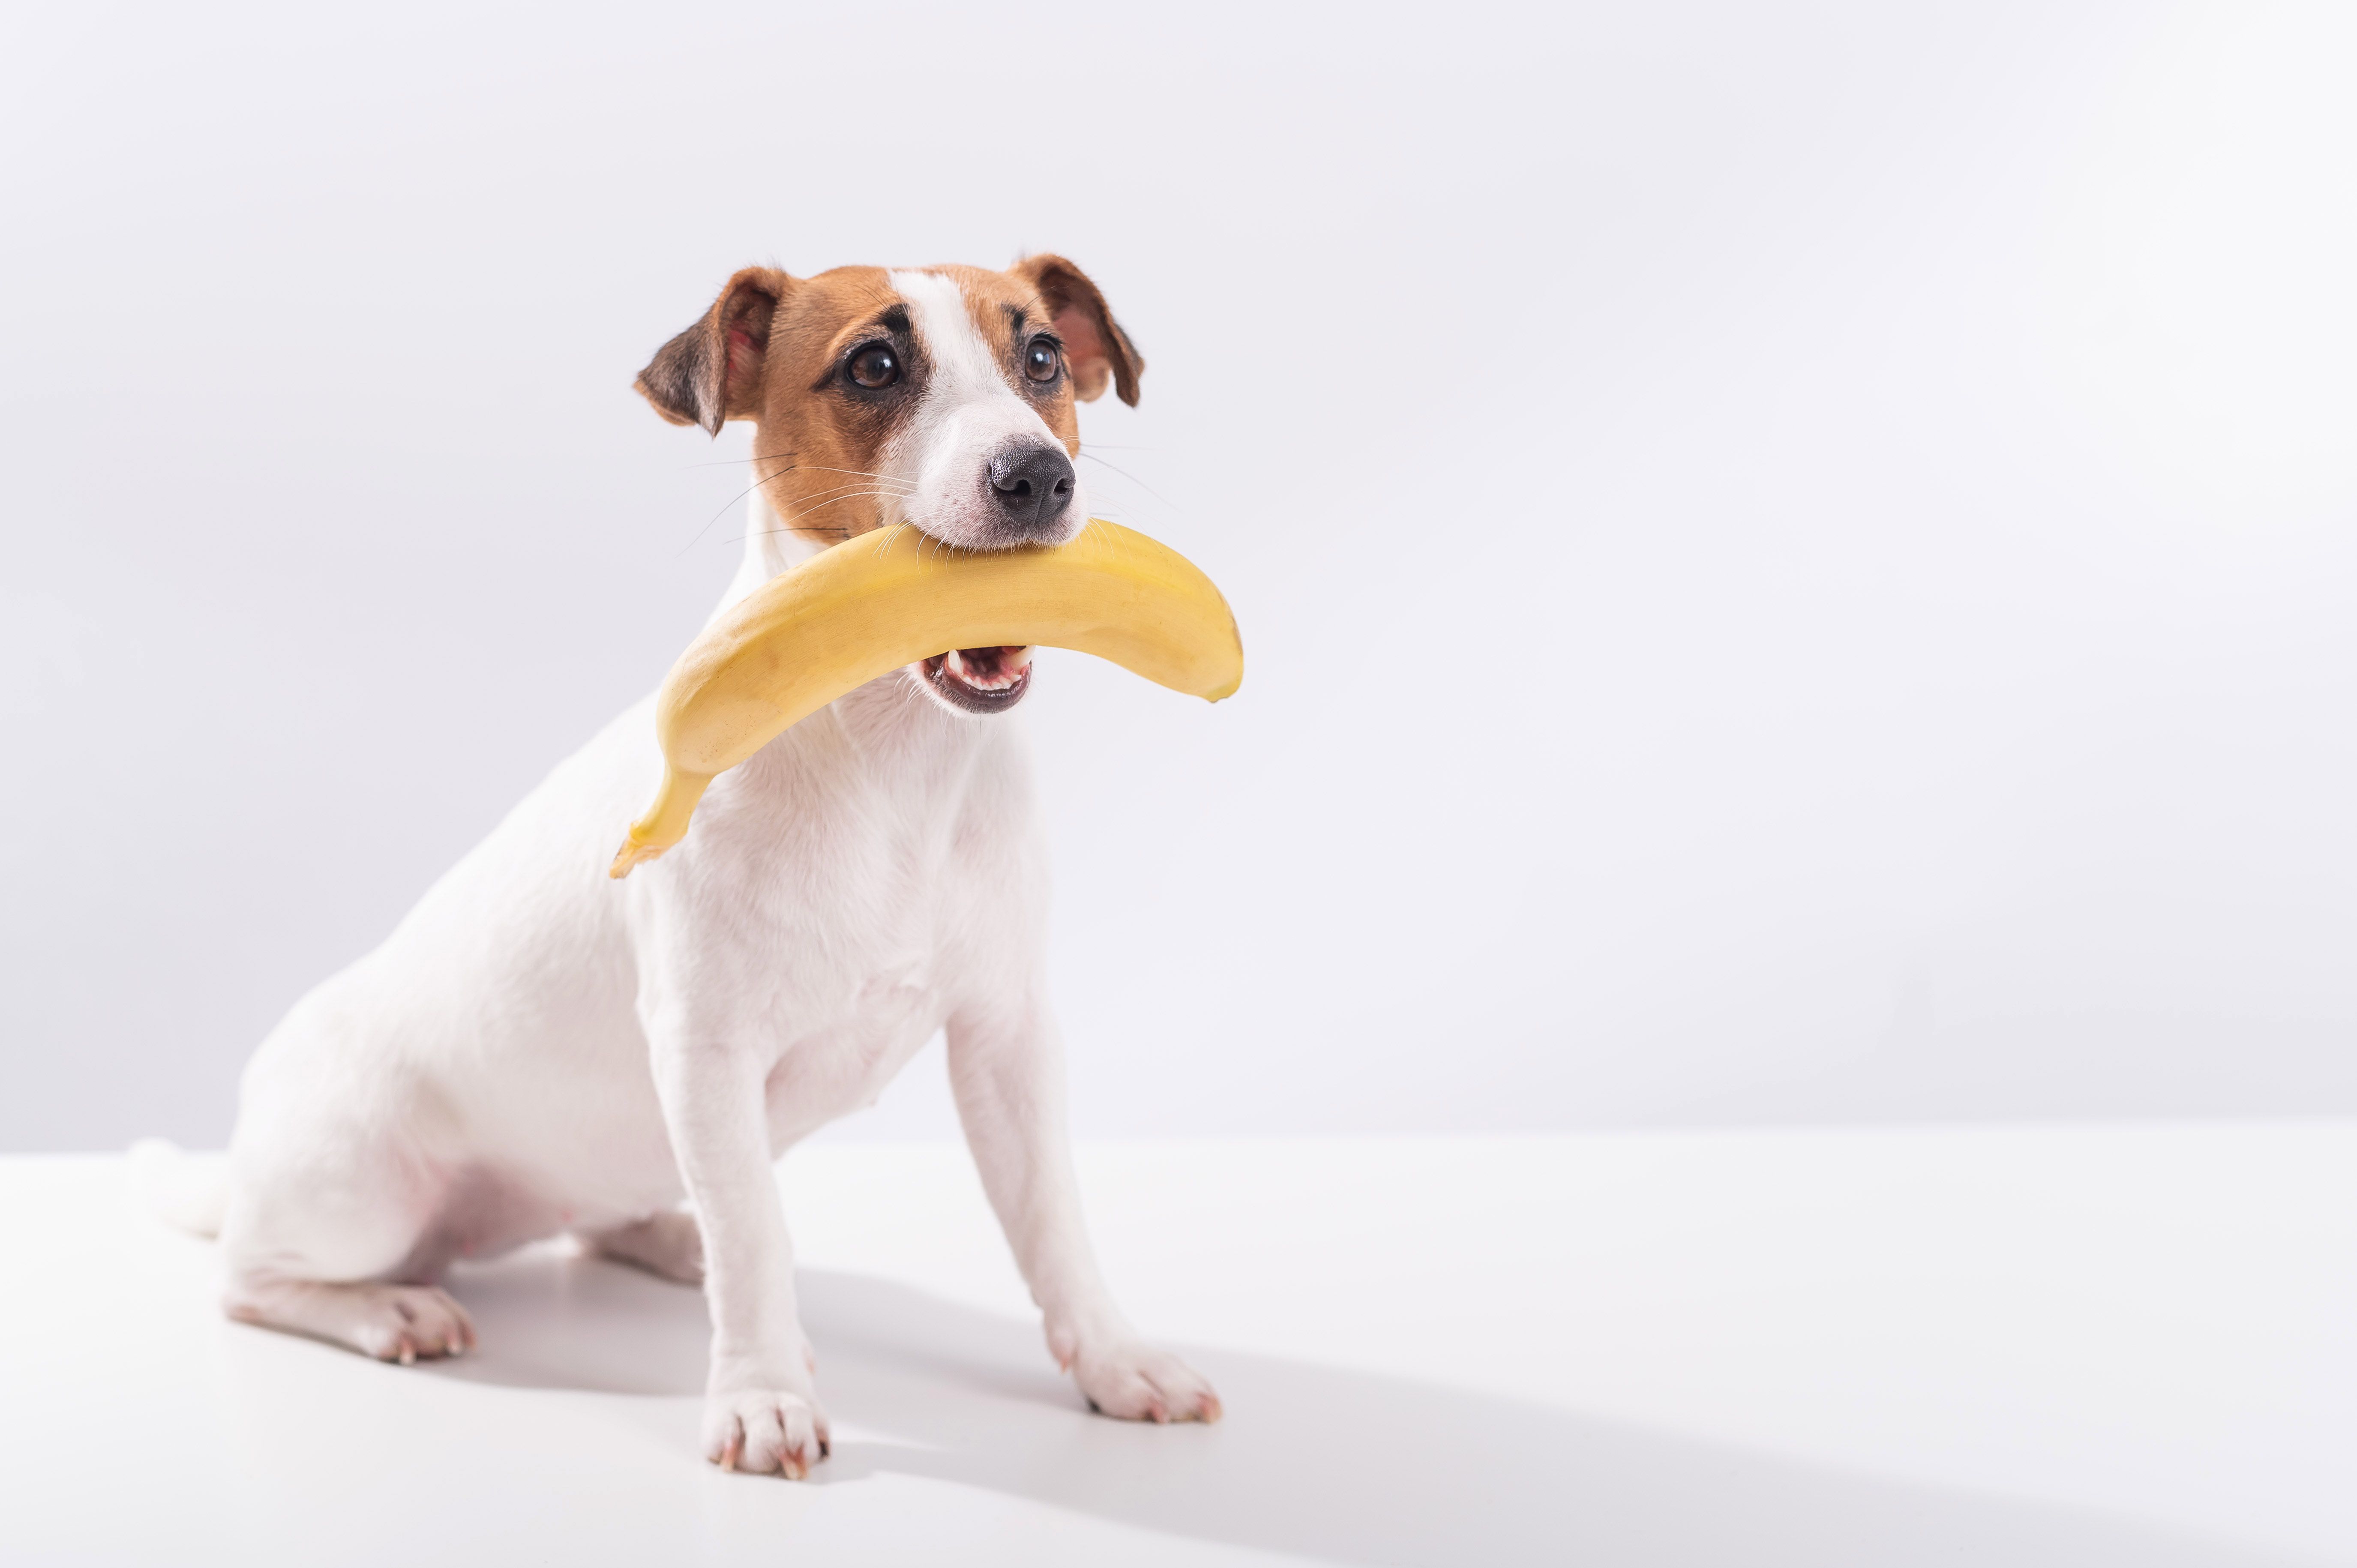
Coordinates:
<point>838,533</point>
<point>761,479</point>
<point>862,473</point>
<point>1125,474</point>
<point>837,498</point>
<point>788,521</point>
<point>749,458</point>
<point>715,517</point>
<point>794,524</point>
<point>826,469</point>
<point>819,497</point>
<point>783,457</point>
<point>816,499</point>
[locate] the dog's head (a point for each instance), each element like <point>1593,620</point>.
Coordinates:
<point>937,396</point>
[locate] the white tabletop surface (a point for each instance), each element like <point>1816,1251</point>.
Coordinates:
<point>2065,1345</point>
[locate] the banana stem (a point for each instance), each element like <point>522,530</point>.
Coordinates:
<point>666,822</point>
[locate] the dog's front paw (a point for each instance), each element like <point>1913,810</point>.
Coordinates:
<point>769,1432</point>
<point>1134,1381</point>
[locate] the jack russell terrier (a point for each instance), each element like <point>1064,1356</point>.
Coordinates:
<point>538,1050</point>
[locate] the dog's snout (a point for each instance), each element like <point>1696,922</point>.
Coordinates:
<point>1033,484</point>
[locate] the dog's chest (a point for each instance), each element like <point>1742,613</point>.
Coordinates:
<point>850,1015</point>
<point>854,912</point>
<point>844,940</point>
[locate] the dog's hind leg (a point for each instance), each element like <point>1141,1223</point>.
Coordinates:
<point>341,1241</point>
<point>391,1322</point>
<point>668,1244</point>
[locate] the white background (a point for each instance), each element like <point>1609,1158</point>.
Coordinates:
<point>1797,563</point>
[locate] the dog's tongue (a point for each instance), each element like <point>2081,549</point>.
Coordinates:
<point>989,667</point>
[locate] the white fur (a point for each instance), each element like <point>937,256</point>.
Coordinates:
<point>537,1048</point>
<point>970,411</point>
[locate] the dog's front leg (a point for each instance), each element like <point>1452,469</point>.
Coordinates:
<point>1006,1068</point>
<point>761,1410</point>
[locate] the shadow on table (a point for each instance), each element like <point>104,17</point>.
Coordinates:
<point>1346,1466</point>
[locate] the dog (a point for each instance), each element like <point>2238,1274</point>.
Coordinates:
<point>538,1050</point>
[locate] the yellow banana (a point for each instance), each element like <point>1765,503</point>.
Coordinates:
<point>888,598</point>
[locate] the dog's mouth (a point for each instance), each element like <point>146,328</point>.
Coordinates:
<point>981,679</point>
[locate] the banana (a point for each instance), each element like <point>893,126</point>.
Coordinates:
<point>883,600</point>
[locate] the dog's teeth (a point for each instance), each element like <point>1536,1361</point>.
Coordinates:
<point>957,664</point>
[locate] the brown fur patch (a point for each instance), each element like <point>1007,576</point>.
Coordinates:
<point>817,449</point>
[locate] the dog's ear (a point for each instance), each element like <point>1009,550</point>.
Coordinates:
<point>1095,345</point>
<point>712,372</point>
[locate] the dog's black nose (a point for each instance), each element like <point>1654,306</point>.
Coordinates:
<point>1034,484</point>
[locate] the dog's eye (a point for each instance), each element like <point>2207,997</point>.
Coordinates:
<point>875,366</point>
<point>1040,361</point>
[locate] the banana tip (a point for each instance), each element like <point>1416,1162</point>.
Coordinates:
<point>634,850</point>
